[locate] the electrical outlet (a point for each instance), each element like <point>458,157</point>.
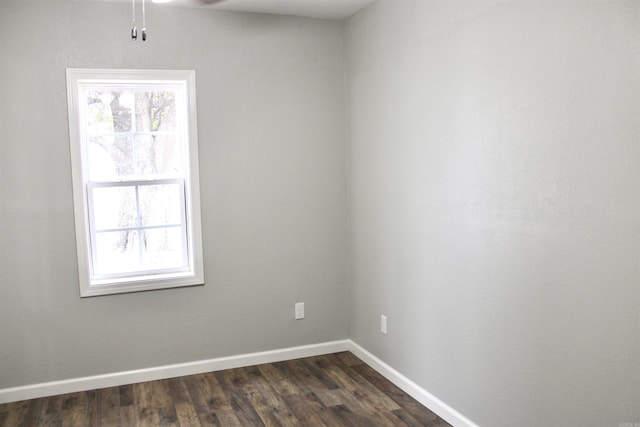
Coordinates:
<point>299,310</point>
<point>383,324</point>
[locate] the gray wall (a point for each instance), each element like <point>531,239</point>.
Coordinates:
<point>273,184</point>
<point>495,204</point>
<point>492,193</point>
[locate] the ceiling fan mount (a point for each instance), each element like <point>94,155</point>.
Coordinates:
<point>143,30</point>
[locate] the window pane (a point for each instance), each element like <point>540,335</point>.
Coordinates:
<point>157,155</point>
<point>111,157</point>
<point>119,251</point>
<point>155,111</point>
<point>144,160</point>
<point>160,204</point>
<point>109,111</point>
<point>101,162</point>
<point>114,207</point>
<point>116,252</point>
<point>163,248</point>
<point>122,152</point>
<point>133,133</point>
<point>99,113</point>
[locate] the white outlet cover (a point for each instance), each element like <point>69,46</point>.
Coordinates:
<point>299,310</point>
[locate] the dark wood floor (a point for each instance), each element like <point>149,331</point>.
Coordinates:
<point>331,390</point>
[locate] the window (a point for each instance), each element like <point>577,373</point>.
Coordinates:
<point>134,159</point>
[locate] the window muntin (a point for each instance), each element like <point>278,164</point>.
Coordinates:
<point>134,159</point>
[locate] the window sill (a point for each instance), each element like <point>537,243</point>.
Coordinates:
<point>140,284</point>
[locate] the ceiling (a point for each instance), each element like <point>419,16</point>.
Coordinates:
<point>330,9</point>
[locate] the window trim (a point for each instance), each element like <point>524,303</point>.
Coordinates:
<point>92,286</point>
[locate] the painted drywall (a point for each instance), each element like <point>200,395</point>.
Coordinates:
<point>495,204</point>
<point>493,201</point>
<point>270,94</point>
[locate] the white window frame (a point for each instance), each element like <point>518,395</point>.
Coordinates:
<point>93,284</point>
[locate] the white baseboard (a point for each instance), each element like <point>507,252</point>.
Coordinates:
<point>52,388</point>
<point>436,405</point>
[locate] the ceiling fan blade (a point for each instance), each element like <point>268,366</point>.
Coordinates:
<point>207,2</point>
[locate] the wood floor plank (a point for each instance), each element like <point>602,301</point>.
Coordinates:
<point>128,416</point>
<point>227,417</point>
<point>412,406</point>
<point>51,412</point>
<point>16,412</point>
<point>146,415</point>
<point>232,383</point>
<point>54,404</point>
<point>407,418</point>
<point>316,366</point>
<point>126,394</point>
<point>75,409</point>
<point>356,383</point>
<point>358,406</point>
<point>308,407</point>
<point>219,401</point>
<point>349,418</point>
<point>273,400</point>
<point>110,406</point>
<point>348,358</point>
<point>371,401</point>
<point>361,389</point>
<point>197,390</point>
<point>187,415</point>
<point>32,415</point>
<point>333,390</point>
<point>298,371</point>
<point>257,401</point>
<point>181,403</point>
<point>178,391</point>
<point>164,404</point>
<point>278,380</point>
<point>94,408</point>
